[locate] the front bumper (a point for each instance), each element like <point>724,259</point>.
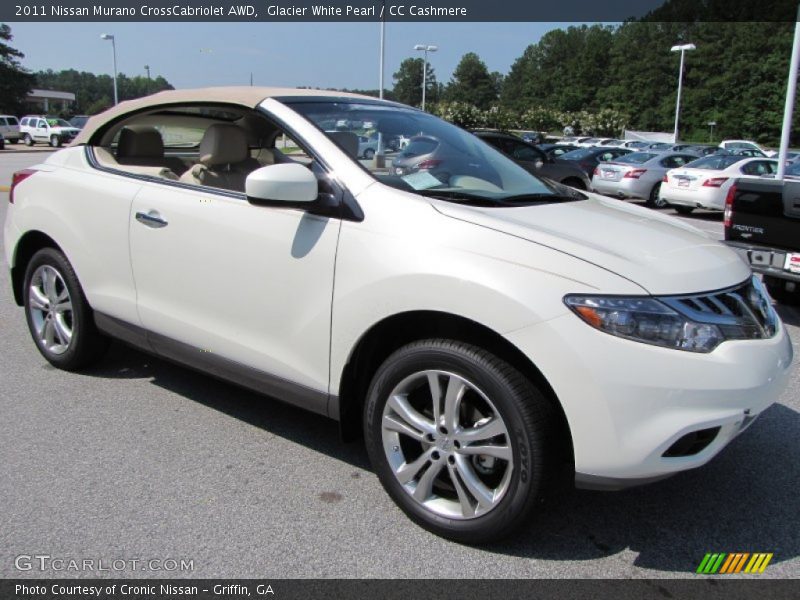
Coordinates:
<point>628,403</point>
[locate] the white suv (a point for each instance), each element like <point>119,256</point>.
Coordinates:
<point>9,128</point>
<point>48,130</point>
<point>484,329</point>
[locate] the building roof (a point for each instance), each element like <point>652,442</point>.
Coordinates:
<point>51,95</point>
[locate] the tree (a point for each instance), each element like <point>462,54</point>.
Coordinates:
<point>408,83</point>
<point>15,81</point>
<point>472,83</point>
<point>93,92</point>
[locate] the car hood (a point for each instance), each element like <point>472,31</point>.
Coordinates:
<point>65,129</point>
<point>661,254</point>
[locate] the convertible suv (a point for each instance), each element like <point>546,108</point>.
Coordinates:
<point>486,330</point>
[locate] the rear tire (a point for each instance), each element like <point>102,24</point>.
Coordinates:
<point>28,140</point>
<point>426,457</point>
<point>683,210</point>
<point>59,318</point>
<point>777,289</point>
<point>654,200</point>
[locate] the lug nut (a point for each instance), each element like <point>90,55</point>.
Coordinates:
<point>443,430</point>
<point>451,460</point>
<point>435,456</point>
<point>457,444</point>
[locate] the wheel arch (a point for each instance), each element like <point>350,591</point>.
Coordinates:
<point>28,245</point>
<point>395,331</point>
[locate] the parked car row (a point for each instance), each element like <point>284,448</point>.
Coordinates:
<point>32,129</point>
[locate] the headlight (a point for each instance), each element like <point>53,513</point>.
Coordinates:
<point>696,323</point>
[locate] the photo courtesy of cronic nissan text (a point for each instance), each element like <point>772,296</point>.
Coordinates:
<point>371,299</point>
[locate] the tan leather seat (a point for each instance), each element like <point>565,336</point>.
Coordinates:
<point>225,160</point>
<point>142,145</point>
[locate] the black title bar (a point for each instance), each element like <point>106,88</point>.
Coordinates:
<point>390,10</point>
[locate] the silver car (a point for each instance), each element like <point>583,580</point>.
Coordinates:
<point>637,175</point>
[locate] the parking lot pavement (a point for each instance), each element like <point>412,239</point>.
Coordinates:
<point>141,459</point>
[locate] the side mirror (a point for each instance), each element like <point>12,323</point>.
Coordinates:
<point>292,184</point>
<point>538,163</point>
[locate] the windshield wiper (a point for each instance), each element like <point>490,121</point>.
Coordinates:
<point>541,198</point>
<point>461,197</point>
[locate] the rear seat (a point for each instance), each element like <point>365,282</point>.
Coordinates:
<point>142,145</point>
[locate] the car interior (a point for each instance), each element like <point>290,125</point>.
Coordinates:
<point>210,146</point>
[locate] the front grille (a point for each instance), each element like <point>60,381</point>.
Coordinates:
<point>741,312</point>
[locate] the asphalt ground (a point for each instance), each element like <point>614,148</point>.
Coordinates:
<point>139,459</point>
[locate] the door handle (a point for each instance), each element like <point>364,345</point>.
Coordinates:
<point>151,219</point>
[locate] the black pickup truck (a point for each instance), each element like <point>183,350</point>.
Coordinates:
<point>762,223</point>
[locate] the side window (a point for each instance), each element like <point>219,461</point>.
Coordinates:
<point>24,122</point>
<point>523,152</point>
<point>3,121</point>
<point>755,168</point>
<point>12,121</point>
<point>41,124</point>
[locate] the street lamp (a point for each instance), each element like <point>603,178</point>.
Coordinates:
<point>147,68</point>
<point>425,48</point>
<point>682,48</point>
<point>711,124</point>
<point>108,36</point>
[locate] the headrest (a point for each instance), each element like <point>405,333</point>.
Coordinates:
<point>140,141</point>
<point>223,144</point>
<point>346,140</point>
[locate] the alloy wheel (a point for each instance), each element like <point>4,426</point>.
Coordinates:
<point>50,308</point>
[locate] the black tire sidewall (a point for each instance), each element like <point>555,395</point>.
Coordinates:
<point>467,362</point>
<point>85,336</point>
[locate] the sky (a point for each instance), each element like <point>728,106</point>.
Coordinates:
<point>336,55</point>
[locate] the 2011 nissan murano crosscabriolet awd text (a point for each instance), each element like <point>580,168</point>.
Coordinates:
<point>484,328</point>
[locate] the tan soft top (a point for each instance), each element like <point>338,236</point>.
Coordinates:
<point>246,96</point>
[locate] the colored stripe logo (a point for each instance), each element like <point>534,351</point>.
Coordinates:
<point>736,562</point>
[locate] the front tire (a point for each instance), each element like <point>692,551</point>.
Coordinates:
<point>457,438</point>
<point>59,317</point>
<point>55,141</point>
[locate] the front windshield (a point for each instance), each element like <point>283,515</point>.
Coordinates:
<point>58,123</point>
<point>429,156</point>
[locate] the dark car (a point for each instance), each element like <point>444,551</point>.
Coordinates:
<point>79,121</point>
<point>556,150</point>
<point>442,159</point>
<point>535,160</point>
<point>588,158</point>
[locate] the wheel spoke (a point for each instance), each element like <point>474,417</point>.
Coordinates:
<point>392,423</point>
<point>452,401</point>
<point>400,405</point>
<point>64,295</point>
<point>48,334</point>
<point>408,471</point>
<point>467,508</point>
<point>424,487</point>
<point>63,307</point>
<point>49,284</point>
<point>63,333</point>
<point>496,451</point>
<point>476,487</point>
<point>436,395</point>
<point>486,431</point>
<point>38,300</point>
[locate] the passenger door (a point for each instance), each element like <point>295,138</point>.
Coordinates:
<point>239,287</point>
<point>40,131</point>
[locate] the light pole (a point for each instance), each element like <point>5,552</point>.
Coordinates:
<point>425,48</point>
<point>682,48</point>
<point>147,68</point>
<point>711,124</point>
<point>108,36</point>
